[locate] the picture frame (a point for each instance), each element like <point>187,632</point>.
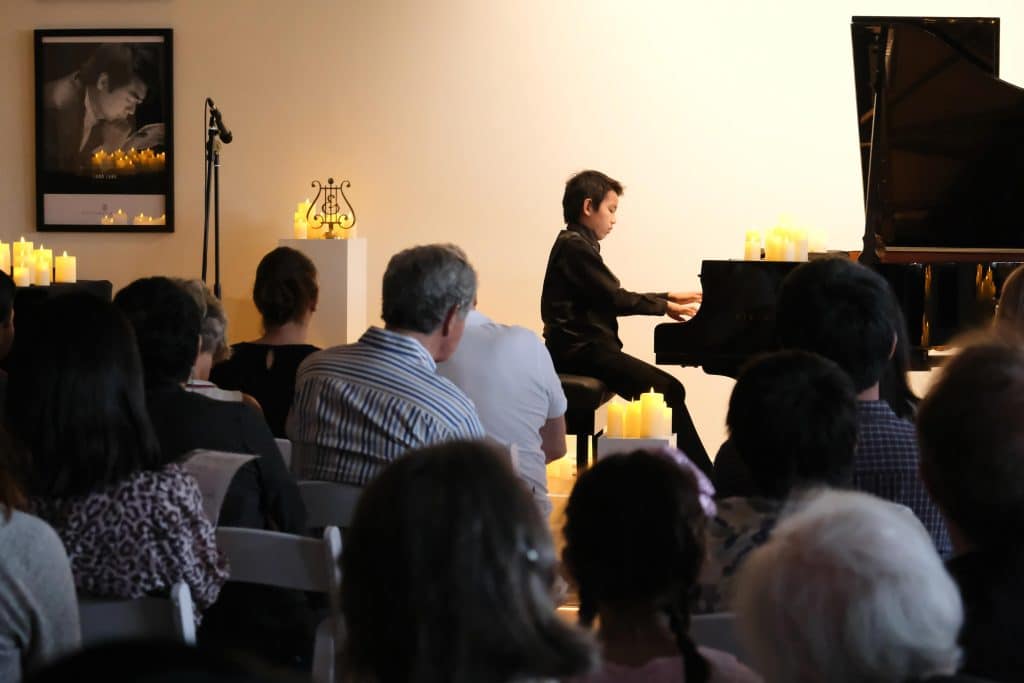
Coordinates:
<point>104,130</point>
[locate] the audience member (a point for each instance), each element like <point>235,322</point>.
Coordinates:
<point>360,406</point>
<point>972,459</point>
<point>38,611</point>
<point>132,524</point>
<point>848,589</point>
<point>634,537</point>
<point>793,422</point>
<point>447,576</point>
<point>844,312</point>
<point>286,295</point>
<point>507,372</point>
<point>167,325</point>
<point>1010,311</point>
<point>213,347</point>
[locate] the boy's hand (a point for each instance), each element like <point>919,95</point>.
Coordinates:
<point>685,297</point>
<point>680,312</point>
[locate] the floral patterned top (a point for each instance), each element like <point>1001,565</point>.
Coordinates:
<point>139,537</point>
<point>739,526</point>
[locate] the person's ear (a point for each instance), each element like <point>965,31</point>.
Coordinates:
<point>449,320</point>
<point>103,82</point>
<point>588,207</point>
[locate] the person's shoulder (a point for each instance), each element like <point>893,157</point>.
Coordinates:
<point>725,668</point>
<point>34,536</point>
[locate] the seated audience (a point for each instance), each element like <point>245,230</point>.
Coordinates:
<point>361,406</point>
<point>848,589</point>
<point>132,524</point>
<point>166,320</point>
<point>844,312</point>
<point>972,459</point>
<point>286,295</point>
<point>793,422</point>
<point>447,576</point>
<point>508,374</point>
<point>634,536</point>
<point>38,608</point>
<point>213,348</point>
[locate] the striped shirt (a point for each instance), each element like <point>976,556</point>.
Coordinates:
<point>360,406</point>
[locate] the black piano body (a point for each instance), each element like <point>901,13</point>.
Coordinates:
<point>942,157</point>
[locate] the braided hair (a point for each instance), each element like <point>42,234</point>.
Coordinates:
<point>634,531</point>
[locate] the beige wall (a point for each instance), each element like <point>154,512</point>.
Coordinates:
<point>458,120</point>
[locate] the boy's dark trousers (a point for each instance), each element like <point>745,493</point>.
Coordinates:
<point>629,377</point>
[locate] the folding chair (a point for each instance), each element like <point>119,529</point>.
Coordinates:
<point>329,503</point>
<point>108,619</point>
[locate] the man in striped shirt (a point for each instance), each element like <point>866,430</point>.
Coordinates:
<point>360,406</point>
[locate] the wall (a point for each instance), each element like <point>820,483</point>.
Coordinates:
<point>459,120</point>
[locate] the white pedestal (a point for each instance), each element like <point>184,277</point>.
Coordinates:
<point>340,316</point>
<point>610,445</point>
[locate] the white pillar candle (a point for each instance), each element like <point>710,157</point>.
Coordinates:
<point>5,257</point>
<point>651,405</point>
<point>616,420</point>
<point>634,420</point>
<point>301,229</point>
<point>21,276</point>
<point>67,268</point>
<point>21,250</point>
<point>43,272</point>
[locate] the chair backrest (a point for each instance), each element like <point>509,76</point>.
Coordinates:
<point>717,631</point>
<point>107,619</point>
<point>272,558</point>
<point>329,503</point>
<point>285,446</point>
<point>330,637</point>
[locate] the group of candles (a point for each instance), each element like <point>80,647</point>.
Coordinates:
<point>120,162</point>
<point>315,228</point>
<point>650,417</point>
<point>119,217</point>
<point>30,266</point>
<point>783,243</point>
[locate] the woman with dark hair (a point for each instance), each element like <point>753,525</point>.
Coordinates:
<point>93,470</point>
<point>38,611</point>
<point>634,536</point>
<point>285,294</point>
<point>447,576</point>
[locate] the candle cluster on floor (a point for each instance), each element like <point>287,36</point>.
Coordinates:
<point>132,162</point>
<point>335,225</point>
<point>649,417</point>
<point>28,265</point>
<point>783,242</point>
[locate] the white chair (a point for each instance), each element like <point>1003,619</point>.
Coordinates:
<point>108,619</point>
<point>271,558</point>
<point>717,631</point>
<point>285,446</point>
<point>329,503</point>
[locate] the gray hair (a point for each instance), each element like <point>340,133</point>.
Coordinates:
<point>213,328</point>
<point>848,588</point>
<point>423,283</point>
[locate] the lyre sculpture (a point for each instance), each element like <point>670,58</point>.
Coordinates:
<point>328,215</point>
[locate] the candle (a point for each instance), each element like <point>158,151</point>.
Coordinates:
<point>21,276</point>
<point>616,419</point>
<point>5,257</point>
<point>666,416</point>
<point>301,229</point>
<point>634,426</point>
<point>789,250</point>
<point>67,268</point>
<point>774,247</point>
<point>21,250</point>
<point>120,218</point>
<point>43,273</point>
<point>802,243</point>
<point>140,219</point>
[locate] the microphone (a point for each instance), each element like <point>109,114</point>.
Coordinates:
<point>222,130</point>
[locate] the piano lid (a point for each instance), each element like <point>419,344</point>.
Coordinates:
<point>942,137</point>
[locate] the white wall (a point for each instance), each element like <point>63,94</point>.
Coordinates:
<point>459,120</point>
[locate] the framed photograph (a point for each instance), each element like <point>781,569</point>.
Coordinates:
<point>104,130</point>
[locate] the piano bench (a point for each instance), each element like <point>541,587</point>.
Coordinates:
<point>584,417</point>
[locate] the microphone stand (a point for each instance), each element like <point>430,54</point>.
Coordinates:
<point>212,173</point>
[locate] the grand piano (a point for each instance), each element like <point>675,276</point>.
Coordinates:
<point>942,159</point>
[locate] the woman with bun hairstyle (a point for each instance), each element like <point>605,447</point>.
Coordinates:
<point>285,293</point>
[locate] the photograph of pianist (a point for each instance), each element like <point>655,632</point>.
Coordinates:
<point>93,105</point>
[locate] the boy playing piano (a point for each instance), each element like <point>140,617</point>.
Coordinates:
<point>582,299</point>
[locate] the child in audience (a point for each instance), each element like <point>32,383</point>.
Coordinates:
<point>447,576</point>
<point>38,611</point>
<point>634,538</point>
<point>285,294</point>
<point>132,525</point>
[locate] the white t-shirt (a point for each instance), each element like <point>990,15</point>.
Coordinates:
<point>507,371</point>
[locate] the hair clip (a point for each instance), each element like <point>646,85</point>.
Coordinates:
<point>705,489</point>
<point>532,556</point>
